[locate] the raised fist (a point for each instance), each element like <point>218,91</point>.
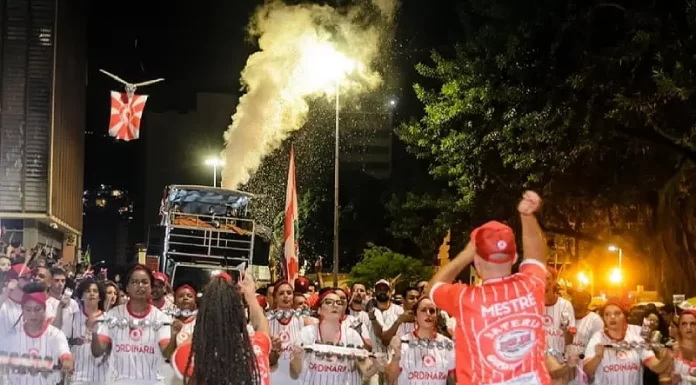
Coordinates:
<point>530,203</point>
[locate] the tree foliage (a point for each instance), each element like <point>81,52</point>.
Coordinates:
<point>591,103</point>
<point>380,262</point>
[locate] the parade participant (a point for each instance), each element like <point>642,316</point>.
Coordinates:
<point>685,354</point>
<point>500,335</point>
<point>313,369</point>
<point>185,301</point>
<point>422,356</point>
<point>149,336</point>
<point>405,323</point>
<point>619,365</point>
<point>112,295</point>
<point>67,307</point>
<point>88,369</point>
<point>223,342</point>
<point>11,306</point>
<point>36,338</point>
<point>42,275</point>
<point>160,299</point>
<point>286,327</point>
<point>587,324</point>
<point>559,321</point>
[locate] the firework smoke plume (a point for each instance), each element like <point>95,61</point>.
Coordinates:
<point>304,52</point>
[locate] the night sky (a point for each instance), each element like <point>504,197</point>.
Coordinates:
<point>202,46</point>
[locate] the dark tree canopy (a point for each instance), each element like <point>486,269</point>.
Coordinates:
<point>590,103</point>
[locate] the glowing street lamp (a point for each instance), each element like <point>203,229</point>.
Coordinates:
<point>215,163</point>
<point>583,279</point>
<point>615,277</point>
<point>615,249</point>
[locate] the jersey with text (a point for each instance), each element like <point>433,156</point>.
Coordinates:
<point>500,332</point>
<point>51,343</point>
<point>553,320</point>
<point>425,365</point>
<point>289,334</point>
<point>618,367</point>
<point>329,370</point>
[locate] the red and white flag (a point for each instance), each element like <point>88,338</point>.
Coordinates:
<point>292,259</point>
<point>126,113</point>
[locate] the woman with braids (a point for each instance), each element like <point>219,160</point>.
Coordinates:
<point>286,327</point>
<point>315,369</point>
<point>36,339</point>
<point>88,369</point>
<point>223,343</point>
<point>138,335</point>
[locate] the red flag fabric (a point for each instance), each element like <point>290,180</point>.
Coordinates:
<point>126,113</point>
<point>292,259</point>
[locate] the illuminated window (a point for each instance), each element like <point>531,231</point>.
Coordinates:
<point>100,202</point>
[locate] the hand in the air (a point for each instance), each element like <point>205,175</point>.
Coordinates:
<point>247,286</point>
<point>530,203</point>
<point>395,344</point>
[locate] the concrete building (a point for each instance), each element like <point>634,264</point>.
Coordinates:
<point>108,212</point>
<point>43,64</point>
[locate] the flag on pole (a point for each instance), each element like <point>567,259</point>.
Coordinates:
<point>126,113</point>
<point>291,252</point>
<point>87,257</point>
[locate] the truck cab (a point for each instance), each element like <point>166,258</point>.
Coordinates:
<point>204,231</point>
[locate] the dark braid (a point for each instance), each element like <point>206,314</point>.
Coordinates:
<point>221,344</point>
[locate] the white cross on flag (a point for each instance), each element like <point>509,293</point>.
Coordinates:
<point>126,113</point>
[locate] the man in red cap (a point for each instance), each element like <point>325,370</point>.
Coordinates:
<point>500,331</point>
<point>160,289</point>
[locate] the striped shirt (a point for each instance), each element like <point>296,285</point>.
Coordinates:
<point>136,352</point>
<point>405,328</point>
<point>425,365</point>
<point>618,367</point>
<point>329,370</point>
<point>553,320</point>
<point>289,334</point>
<point>386,318</point>
<point>500,332</point>
<point>11,312</point>
<point>586,326</point>
<point>50,343</point>
<point>684,369</point>
<point>87,368</point>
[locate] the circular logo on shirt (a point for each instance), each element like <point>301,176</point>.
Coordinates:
<point>502,245</point>
<point>548,321</point>
<point>136,334</point>
<point>622,355</point>
<point>505,344</point>
<point>285,336</point>
<point>257,350</point>
<point>428,361</point>
<point>181,337</point>
<point>33,352</point>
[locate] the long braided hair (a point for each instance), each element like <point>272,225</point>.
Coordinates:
<point>220,343</point>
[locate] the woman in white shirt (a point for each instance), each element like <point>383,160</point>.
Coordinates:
<point>685,354</point>
<point>608,362</point>
<point>422,357</point>
<point>88,369</point>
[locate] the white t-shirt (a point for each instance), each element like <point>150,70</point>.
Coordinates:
<point>684,368</point>
<point>10,313</point>
<point>51,343</point>
<point>425,365</point>
<point>87,368</point>
<point>552,323</point>
<point>618,367</point>
<point>586,326</point>
<point>136,353</point>
<point>386,318</point>
<point>329,370</point>
<point>289,335</point>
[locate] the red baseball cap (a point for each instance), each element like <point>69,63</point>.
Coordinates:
<point>495,242</point>
<point>159,276</point>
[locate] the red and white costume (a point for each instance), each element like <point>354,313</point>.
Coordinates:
<point>684,369</point>
<point>425,365</point>
<point>386,318</point>
<point>586,326</point>
<point>500,335</point>
<point>329,370</point>
<point>618,367</point>
<point>11,312</point>
<point>88,370</point>
<point>289,333</point>
<point>136,353</point>
<point>552,323</point>
<point>405,328</point>
<point>51,342</point>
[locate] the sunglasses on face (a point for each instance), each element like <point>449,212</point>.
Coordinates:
<point>428,310</point>
<point>333,302</point>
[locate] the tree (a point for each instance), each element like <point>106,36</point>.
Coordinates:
<point>591,103</point>
<point>380,262</point>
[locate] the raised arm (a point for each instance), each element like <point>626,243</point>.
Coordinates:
<point>533,240</point>
<point>449,272</point>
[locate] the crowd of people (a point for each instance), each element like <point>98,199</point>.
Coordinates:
<point>514,328</point>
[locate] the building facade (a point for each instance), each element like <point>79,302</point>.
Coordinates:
<point>43,64</point>
<point>108,214</point>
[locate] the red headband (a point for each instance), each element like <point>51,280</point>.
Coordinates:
<point>324,294</point>
<point>278,285</point>
<point>37,297</point>
<point>690,312</point>
<point>185,287</point>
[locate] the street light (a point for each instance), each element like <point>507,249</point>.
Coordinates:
<point>583,279</point>
<point>615,249</point>
<point>615,277</point>
<point>215,163</point>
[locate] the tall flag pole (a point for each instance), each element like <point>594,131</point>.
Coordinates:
<point>291,252</point>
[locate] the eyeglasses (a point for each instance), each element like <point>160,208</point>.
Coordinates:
<point>332,302</point>
<point>429,310</point>
<point>139,283</point>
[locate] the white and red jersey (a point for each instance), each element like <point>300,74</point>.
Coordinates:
<point>136,352</point>
<point>51,342</point>
<point>552,323</point>
<point>367,329</point>
<point>500,332</point>
<point>618,367</point>
<point>166,304</point>
<point>69,313</point>
<point>87,368</point>
<point>329,370</point>
<point>684,369</point>
<point>405,328</point>
<point>289,333</point>
<point>386,318</point>
<point>10,313</point>
<point>186,333</point>
<point>51,309</point>
<point>586,327</point>
<point>357,322</point>
<point>421,365</point>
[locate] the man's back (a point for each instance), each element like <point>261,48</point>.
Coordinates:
<point>500,334</point>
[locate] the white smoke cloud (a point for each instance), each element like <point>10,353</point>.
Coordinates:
<point>303,50</point>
